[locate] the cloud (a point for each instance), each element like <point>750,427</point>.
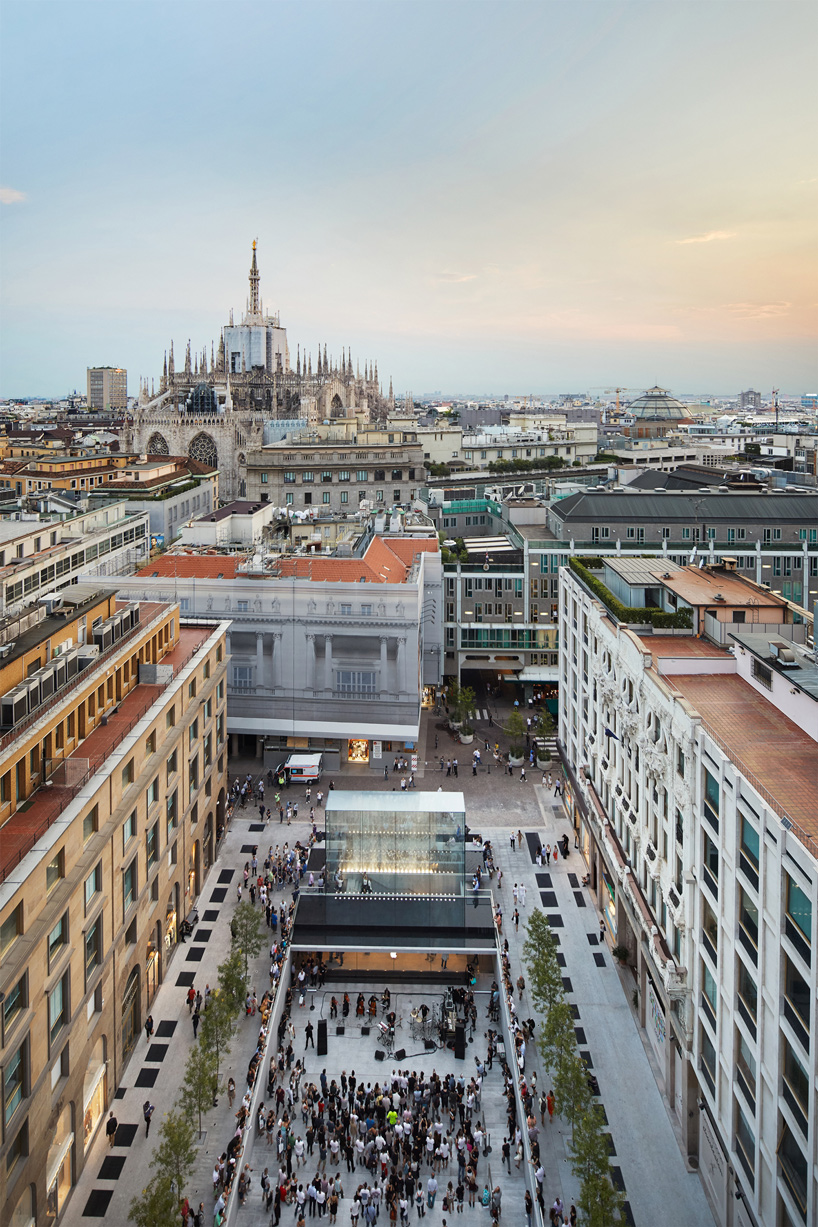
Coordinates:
<point>758,310</point>
<point>10,195</point>
<point>455,277</point>
<point>712,236</point>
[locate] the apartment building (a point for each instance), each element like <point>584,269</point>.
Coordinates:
<point>112,791</point>
<point>46,543</point>
<point>80,469</point>
<point>382,467</point>
<point>332,651</point>
<point>170,489</point>
<point>692,768</point>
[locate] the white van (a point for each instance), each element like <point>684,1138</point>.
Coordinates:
<point>304,768</point>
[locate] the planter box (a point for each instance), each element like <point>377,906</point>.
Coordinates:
<point>516,762</point>
<point>467,738</point>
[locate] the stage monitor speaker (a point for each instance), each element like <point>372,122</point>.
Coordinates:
<point>339,1030</point>
<point>321,1050</point>
<point>429,1045</point>
<point>400,1054</point>
<point>379,1055</point>
<point>460,1042</point>
<point>364,1030</point>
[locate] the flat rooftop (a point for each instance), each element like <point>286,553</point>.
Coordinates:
<point>682,645</point>
<point>759,739</point>
<point>701,587</point>
<point>22,830</point>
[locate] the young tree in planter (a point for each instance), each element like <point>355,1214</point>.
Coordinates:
<point>600,1204</point>
<point>545,985</point>
<point>156,1206</point>
<point>516,729</point>
<point>247,935</point>
<point>201,1079</point>
<point>175,1156</point>
<point>466,700</point>
<point>218,1026</point>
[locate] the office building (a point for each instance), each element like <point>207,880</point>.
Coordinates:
<point>107,387</point>
<point>112,792</point>
<point>689,732</point>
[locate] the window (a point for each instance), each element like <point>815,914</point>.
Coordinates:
<point>192,734</point>
<point>55,870</point>
<point>798,923</point>
<point>19,1147</point>
<point>170,717</point>
<point>191,690</point>
<point>362,475</point>
<point>129,890</point>
<point>794,1167</point>
<point>747,997</point>
<point>307,477</point>
<point>355,681</point>
<point>152,845</point>
<point>710,931</point>
<point>58,1012</point>
<point>745,1144</point>
<point>343,475</point>
<point>379,496</point>
<point>762,674</point>
<point>308,499</point>
<point>242,606</point>
<point>396,498</point>
<point>57,939</point>
<point>127,774</point>
<point>14,1080</point>
<point>14,1004</point>
<point>345,496</point>
<point>289,477</point>
<point>93,949</point>
<point>326,497</point>
<point>749,851</point>
<point>152,795</point>
<point>710,998</point>
<point>172,813</point>
<point>745,1067</point>
<point>90,824</point>
<point>346,611</point>
<point>326,477</point>
<point>150,744</point>
<point>366,611</point>
<point>193,773</point>
<point>707,1060</point>
<point>128,829</point>
<point>288,499</point>
<point>711,864</point>
<point>11,928</point>
<point>748,923</point>
<point>93,884</point>
<point>711,799</point>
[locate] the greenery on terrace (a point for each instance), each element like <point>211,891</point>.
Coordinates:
<point>658,618</point>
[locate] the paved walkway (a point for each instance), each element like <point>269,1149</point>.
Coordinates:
<point>645,1156</point>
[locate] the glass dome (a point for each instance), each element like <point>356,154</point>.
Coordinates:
<point>657,405</point>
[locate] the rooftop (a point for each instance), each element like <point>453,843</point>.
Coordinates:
<point>773,753</point>
<point>237,508</point>
<point>682,645</point>
<point>704,587</point>
<point>193,566</point>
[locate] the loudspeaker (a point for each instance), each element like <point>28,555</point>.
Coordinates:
<point>429,1045</point>
<point>400,1054</point>
<point>321,1050</point>
<point>460,1042</point>
<point>379,1056</point>
<point>339,1030</point>
<point>364,1030</point>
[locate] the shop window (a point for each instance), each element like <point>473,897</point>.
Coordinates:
<point>59,1165</point>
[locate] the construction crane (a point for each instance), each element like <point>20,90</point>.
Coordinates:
<point>775,406</point>
<point>616,391</point>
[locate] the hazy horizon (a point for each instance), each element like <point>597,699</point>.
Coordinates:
<point>530,195</point>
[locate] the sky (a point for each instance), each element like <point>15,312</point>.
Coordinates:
<point>517,197</point>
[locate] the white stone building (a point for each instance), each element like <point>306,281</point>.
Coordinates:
<point>693,776</point>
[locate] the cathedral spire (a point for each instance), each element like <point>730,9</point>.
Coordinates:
<point>298,363</point>
<point>254,280</point>
<point>171,367</point>
<point>326,366</point>
<point>187,358</point>
<point>309,372</point>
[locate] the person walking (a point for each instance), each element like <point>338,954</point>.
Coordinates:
<point>148,1110</point>
<point>515,916</point>
<point>110,1129</point>
<point>191,997</point>
<point>511,841</point>
<point>195,1020</point>
<point>149,1028</point>
<point>431,1191</point>
<point>521,894</point>
<point>308,1032</point>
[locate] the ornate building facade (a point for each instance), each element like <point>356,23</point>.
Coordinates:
<point>215,410</point>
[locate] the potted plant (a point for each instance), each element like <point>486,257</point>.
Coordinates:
<point>516,729</point>
<point>544,727</point>
<point>621,954</point>
<point>464,705</point>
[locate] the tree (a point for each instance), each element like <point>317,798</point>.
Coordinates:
<point>157,1206</point>
<point>233,980</point>
<point>201,1079</point>
<point>545,985</point>
<point>600,1204</point>
<point>516,729</point>
<point>175,1156</point>
<point>247,935</point>
<point>218,1026</point>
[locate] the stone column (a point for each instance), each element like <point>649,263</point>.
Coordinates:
<point>309,680</point>
<point>328,664</point>
<point>259,660</point>
<point>384,679</point>
<point>275,681</point>
<point>401,687</point>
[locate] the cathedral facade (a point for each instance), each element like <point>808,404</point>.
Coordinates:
<point>215,411</point>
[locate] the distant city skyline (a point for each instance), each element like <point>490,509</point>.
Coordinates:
<point>492,196</point>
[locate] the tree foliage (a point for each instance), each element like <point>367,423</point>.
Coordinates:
<point>247,935</point>
<point>157,1204</point>
<point>600,1204</point>
<point>233,980</point>
<point>201,1079</point>
<point>175,1156</point>
<point>219,1025</point>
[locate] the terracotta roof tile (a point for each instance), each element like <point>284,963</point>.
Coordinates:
<point>192,566</point>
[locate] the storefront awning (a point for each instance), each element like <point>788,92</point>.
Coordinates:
<point>539,673</point>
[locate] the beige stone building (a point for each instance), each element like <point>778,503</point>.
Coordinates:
<point>112,790</point>
<point>107,387</point>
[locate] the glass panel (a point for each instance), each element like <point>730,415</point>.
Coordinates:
<point>749,840</point>
<point>799,908</point>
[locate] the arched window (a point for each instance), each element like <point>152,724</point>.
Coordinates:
<point>203,448</point>
<point>158,445</point>
<point>23,1215</point>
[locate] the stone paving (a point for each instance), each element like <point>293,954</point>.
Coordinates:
<point>646,1159</point>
